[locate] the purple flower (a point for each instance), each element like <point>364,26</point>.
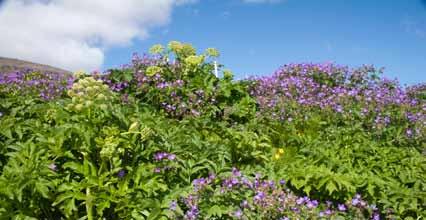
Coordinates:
<point>121,173</point>
<point>356,200</point>
<point>53,167</point>
<point>238,214</point>
<point>159,156</point>
<point>295,210</point>
<point>341,207</point>
<point>173,205</point>
<point>192,213</point>
<point>409,132</point>
<point>259,196</point>
<point>236,172</point>
<point>244,204</point>
<point>157,170</point>
<point>312,204</point>
<point>339,109</point>
<point>375,216</point>
<point>199,183</point>
<point>300,201</point>
<point>171,156</point>
<point>211,177</point>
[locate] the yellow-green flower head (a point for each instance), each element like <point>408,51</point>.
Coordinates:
<point>96,88</point>
<point>89,92</point>
<point>227,74</point>
<point>156,49</point>
<point>88,103</point>
<point>212,52</point>
<point>79,107</point>
<point>77,86</point>
<point>194,60</point>
<point>277,156</point>
<point>152,70</point>
<point>187,50</point>
<point>134,127</point>
<point>101,97</point>
<point>89,89</point>
<point>71,93</point>
<point>79,74</point>
<point>103,106</point>
<point>175,46</point>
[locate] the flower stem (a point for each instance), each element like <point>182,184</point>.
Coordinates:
<point>89,205</point>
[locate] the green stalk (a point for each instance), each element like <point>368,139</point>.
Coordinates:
<point>89,205</point>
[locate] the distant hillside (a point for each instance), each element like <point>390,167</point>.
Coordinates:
<point>8,65</point>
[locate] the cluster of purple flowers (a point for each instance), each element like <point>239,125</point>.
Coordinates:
<point>266,198</point>
<point>191,202</point>
<point>159,156</point>
<point>201,183</point>
<point>46,85</point>
<point>171,92</point>
<point>295,90</point>
<point>163,157</point>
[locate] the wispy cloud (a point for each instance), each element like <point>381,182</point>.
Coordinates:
<point>75,34</point>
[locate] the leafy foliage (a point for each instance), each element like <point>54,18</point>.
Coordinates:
<point>163,138</point>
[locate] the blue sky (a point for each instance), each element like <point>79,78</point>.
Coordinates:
<point>256,38</point>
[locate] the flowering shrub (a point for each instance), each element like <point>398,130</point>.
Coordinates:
<point>184,86</point>
<point>88,93</point>
<point>159,139</point>
<point>296,90</point>
<point>241,197</point>
<point>43,85</point>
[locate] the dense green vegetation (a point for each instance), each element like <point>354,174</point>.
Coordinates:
<point>164,138</point>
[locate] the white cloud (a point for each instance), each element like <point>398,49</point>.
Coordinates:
<point>263,1</point>
<point>74,34</point>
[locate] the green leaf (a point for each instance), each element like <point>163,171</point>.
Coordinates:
<point>216,210</point>
<point>42,188</point>
<point>331,187</point>
<point>76,167</point>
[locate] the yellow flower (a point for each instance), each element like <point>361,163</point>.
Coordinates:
<point>79,74</point>
<point>79,107</point>
<point>227,74</point>
<point>134,127</point>
<point>156,49</point>
<point>277,156</point>
<point>103,106</point>
<point>175,46</point>
<point>281,151</point>
<point>187,50</point>
<point>194,60</point>
<point>152,70</point>
<point>212,52</point>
